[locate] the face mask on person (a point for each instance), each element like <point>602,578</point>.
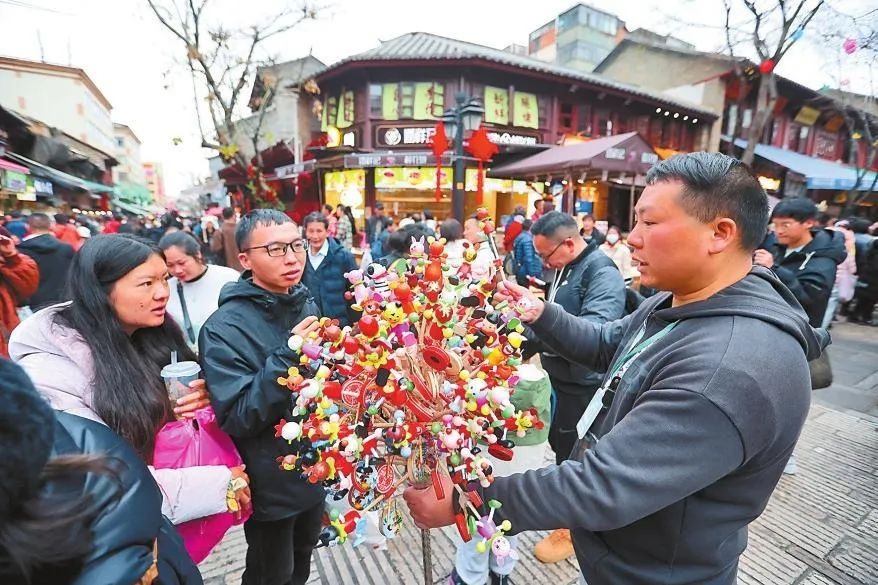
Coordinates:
<point>612,239</point>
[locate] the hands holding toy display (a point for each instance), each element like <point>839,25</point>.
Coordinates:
<point>427,510</point>
<point>529,306</point>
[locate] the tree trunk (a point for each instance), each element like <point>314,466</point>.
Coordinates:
<point>766,98</point>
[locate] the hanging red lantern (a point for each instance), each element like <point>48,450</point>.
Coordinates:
<point>439,144</point>
<point>481,147</point>
<point>766,66</point>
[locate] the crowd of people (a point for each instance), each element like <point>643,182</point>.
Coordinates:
<point>658,399</point>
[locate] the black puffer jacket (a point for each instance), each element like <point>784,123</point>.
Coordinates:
<point>124,530</point>
<point>810,272</point>
<point>54,258</point>
<point>600,300</point>
<point>244,350</point>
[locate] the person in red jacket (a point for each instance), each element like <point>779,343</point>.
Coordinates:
<point>19,279</point>
<point>513,230</point>
<point>66,232</point>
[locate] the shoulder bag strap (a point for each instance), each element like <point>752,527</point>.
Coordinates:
<point>187,322</point>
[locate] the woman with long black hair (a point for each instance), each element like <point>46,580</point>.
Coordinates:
<point>76,504</point>
<point>99,356</point>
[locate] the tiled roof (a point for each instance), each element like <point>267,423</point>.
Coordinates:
<point>419,46</point>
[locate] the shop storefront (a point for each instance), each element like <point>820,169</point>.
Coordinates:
<point>406,185</point>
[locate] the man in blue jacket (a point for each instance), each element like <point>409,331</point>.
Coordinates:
<point>527,261</point>
<point>706,393</point>
<point>328,261</point>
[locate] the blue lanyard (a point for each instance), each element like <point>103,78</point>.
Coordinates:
<point>640,347</point>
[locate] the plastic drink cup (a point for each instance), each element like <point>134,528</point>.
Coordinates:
<point>177,377</point>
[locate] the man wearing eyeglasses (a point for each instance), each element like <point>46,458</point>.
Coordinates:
<point>586,283</point>
<point>244,350</point>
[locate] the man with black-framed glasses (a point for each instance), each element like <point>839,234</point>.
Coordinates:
<point>587,284</point>
<point>244,350</point>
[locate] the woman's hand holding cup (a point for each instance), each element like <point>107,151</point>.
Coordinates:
<point>194,400</point>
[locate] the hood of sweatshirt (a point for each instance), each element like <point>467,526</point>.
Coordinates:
<point>760,295</point>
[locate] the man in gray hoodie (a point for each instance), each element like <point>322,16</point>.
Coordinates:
<point>706,392</point>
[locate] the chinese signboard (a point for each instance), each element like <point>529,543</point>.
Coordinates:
<point>412,159</point>
<point>391,136</point>
<point>526,112</point>
<point>496,105</point>
<point>345,114</point>
<point>15,181</point>
<point>397,136</point>
<point>429,101</point>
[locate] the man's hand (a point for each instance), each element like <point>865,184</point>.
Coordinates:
<point>242,496</point>
<point>763,258</point>
<point>7,246</point>
<point>427,511</point>
<point>306,326</point>
<point>531,307</point>
<point>198,398</point>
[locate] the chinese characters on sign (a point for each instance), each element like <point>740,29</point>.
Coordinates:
<point>496,105</point>
<point>393,136</point>
<point>526,110</point>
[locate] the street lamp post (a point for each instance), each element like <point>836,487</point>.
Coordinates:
<point>464,117</point>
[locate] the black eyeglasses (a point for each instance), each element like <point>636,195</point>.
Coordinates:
<point>555,249</point>
<point>277,249</point>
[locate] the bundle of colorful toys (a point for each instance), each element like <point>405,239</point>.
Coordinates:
<point>420,386</point>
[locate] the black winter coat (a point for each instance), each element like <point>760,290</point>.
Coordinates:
<point>243,352</point>
<point>328,285</point>
<point>54,258</point>
<point>603,300</point>
<point>125,529</point>
<point>810,272</point>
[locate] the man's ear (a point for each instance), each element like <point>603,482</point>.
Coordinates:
<point>725,234</point>
<point>244,259</point>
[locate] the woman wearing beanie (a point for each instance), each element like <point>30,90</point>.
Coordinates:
<point>100,357</point>
<point>70,513</point>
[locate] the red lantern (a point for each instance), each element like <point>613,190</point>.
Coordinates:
<point>439,145</point>
<point>766,66</point>
<point>481,147</point>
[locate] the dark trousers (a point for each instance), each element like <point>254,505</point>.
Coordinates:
<point>865,299</point>
<point>279,551</point>
<point>568,411</point>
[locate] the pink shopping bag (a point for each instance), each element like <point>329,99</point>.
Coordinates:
<point>186,443</point>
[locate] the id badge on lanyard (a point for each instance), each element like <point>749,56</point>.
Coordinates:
<point>604,395</point>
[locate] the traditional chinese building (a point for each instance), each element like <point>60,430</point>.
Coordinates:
<point>381,108</point>
<point>815,143</point>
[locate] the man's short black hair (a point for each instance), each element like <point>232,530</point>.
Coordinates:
<point>797,208</point>
<point>228,213</point>
<point>254,219</point>
<point>39,221</point>
<point>315,217</point>
<point>716,185</point>
<point>526,225</point>
<point>554,224</point>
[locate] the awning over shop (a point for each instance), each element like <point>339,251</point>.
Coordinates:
<point>626,153</point>
<point>11,166</point>
<point>61,178</point>
<point>818,173</point>
<point>131,208</point>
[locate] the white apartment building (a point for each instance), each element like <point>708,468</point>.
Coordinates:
<point>127,152</point>
<point>60,96</point>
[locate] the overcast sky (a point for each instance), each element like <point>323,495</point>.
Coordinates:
<point>128,54</point>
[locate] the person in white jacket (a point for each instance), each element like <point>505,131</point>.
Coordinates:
<point>99,356</point>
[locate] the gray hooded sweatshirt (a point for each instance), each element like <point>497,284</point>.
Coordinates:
<point>693,443</point>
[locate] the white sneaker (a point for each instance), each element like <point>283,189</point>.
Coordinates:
<point>791,467</point>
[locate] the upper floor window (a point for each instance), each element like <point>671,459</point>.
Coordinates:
<point>422,100</point>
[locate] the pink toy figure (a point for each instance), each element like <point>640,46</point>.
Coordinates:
<point>360,292</point>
